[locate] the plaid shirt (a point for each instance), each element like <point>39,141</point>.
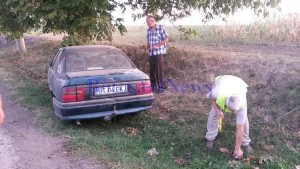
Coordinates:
<point>154,37</point>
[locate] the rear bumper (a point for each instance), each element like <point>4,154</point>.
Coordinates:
<point>102,107</point>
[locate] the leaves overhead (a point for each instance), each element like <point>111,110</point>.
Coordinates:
<point>12,23</point>
<point>82,21</point>
<point>85,20</point>
<point>175,9</point>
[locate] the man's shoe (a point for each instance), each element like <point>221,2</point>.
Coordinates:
<point>155,90</point>
<point>249,149</point>
<point>161,90</point>
<point>210,144</point>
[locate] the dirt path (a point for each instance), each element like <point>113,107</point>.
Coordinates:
<point>23,144</point>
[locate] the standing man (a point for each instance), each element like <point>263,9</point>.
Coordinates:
<point>1,112</point>
<point>229,95</point>
<point>156,48</point>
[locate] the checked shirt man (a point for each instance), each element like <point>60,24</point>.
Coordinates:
<point>157,38</point>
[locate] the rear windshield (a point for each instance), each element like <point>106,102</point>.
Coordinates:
<point>96,59</point>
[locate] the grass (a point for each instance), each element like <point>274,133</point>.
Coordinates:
<point>176,125</point>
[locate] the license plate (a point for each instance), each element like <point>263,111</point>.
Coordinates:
<point>110,90</point>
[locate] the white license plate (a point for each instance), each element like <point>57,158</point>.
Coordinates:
<point>110,90</point>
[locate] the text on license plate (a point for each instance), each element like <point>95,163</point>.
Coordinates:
<point>110,90</point>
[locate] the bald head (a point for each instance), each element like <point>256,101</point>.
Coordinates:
<point>233,103</point>
<point>150,21</point>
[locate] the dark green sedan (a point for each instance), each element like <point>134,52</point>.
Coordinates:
<point>96,81</point>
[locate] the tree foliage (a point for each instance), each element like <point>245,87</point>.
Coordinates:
<point>81,20</point>
<point>175,9</point>
<point>12,23</point>
<point>84,20</point>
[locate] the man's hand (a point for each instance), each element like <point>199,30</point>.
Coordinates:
<point>217,109</point>
<point>147,48</point>
<point>219,113</point>
<point>237,154</point>
<point>1,116</point>
<point>155,47</point>
<point>1,112</point>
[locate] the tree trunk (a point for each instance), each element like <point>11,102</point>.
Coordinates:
<point>20,44</point>
<point>17,45</point>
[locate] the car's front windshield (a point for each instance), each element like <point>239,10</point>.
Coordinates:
<point>96,59</point>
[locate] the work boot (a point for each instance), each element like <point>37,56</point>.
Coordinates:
<point>210,144</point>
<point>249,149</point>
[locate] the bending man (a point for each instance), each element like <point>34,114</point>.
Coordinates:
<point>229,95</point>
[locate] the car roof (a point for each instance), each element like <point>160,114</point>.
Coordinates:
<point>89,47</point>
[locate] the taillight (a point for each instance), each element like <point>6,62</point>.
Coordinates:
<point>72,94</point>
<point>80,93</point>
<point>143,88</point>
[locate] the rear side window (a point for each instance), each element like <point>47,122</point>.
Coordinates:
<point>56,60</point>
<point>59,63</point>
<point>59,68</point>
<point>91,59</point>
<point>55,57</point>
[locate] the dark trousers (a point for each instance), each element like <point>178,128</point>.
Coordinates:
<point>156,68</point>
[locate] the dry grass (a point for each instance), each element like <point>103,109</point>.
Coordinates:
<point>268,70</point>
<point>284,30</point>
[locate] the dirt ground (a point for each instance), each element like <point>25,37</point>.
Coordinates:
<point>23,144</point>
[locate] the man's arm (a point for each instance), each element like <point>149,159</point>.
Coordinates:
<point>148,46</point>
<point>217,109</point>
<point>241,116</point>
<point>1,112</point>
<point>238,153</point>
<point>161,43</point>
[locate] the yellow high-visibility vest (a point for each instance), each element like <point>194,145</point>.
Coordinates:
<point>229,88</point>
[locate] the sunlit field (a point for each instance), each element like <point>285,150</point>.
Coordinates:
<point>282,31</point>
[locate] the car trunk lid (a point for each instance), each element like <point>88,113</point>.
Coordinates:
<point>105,76</point>
<point>110,83</point>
